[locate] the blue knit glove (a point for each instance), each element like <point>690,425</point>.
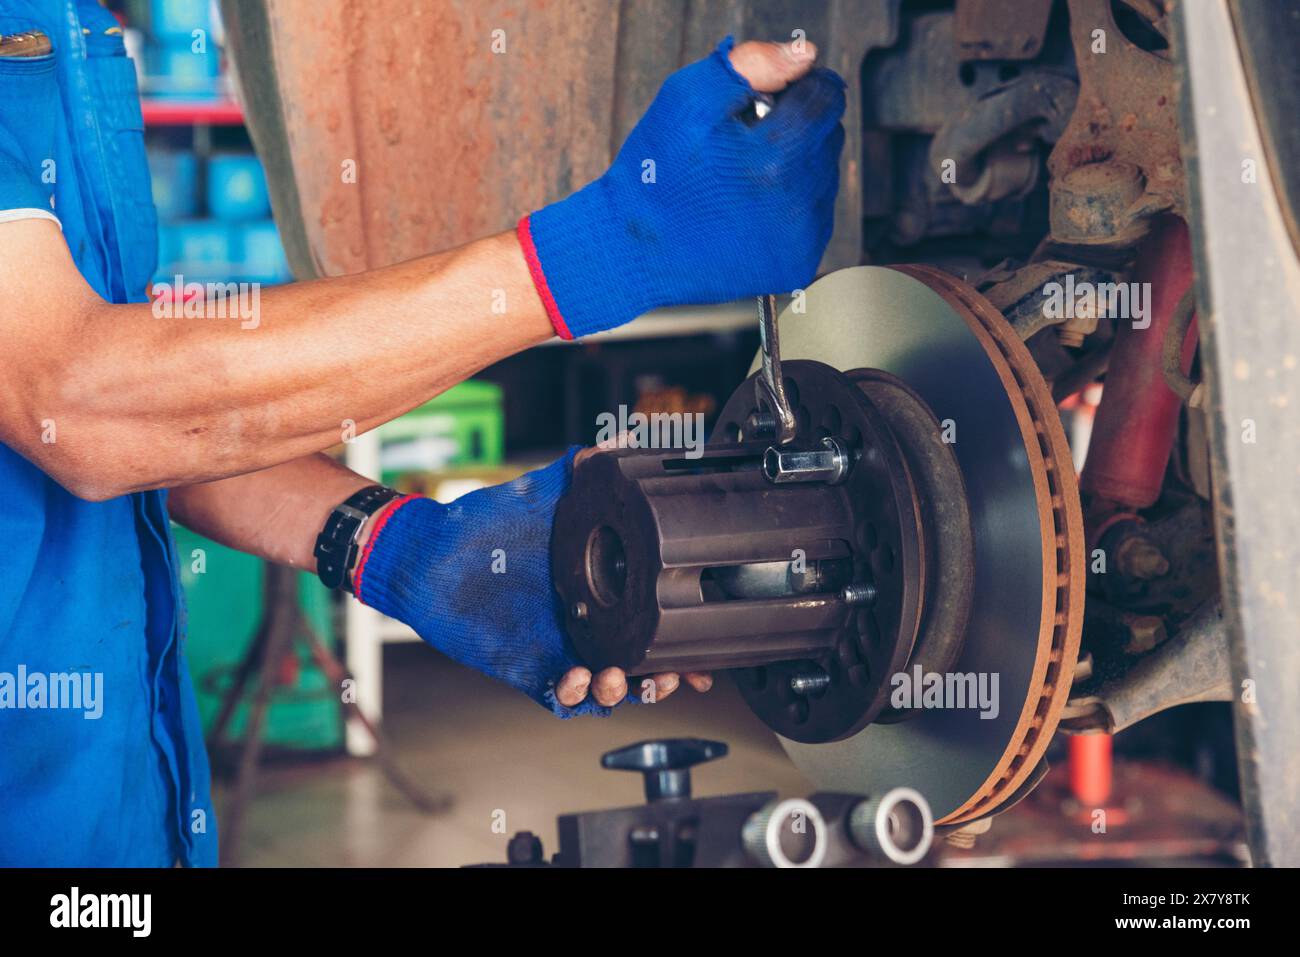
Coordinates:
<point>698,207</point>
<point>473,578</point>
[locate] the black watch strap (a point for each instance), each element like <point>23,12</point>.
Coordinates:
<point>336,545</point>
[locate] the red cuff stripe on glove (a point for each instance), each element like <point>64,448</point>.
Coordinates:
<point>370,543</point>
<point>525,233</point>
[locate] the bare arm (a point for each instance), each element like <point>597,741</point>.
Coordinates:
<point>274,513</point>
<point>110,399</point>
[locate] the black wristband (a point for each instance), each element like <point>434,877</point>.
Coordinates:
<point>336,545</point>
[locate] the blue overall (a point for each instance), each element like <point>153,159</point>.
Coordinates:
<point>89,588</point>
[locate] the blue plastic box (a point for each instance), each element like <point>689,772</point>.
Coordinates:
<point>176,72</point>
<point>178,19</point>
<point>261,254</point>
<point>201,250</point>
<point>166,251</point>
<point>237,187</point>
<point>175,176</point>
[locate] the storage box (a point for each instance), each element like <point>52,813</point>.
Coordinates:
<point>260,254</point>
<point>178,19</point>
<point>201,250</point>
<point>174,71</point>
<point>237,187</point>
<point>175,176</point>
<point>465,426</point>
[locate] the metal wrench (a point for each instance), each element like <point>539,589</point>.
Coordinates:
<point>770,385</point>
<point>774,413</point>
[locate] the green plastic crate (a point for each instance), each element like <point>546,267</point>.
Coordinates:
<point>465,426</point>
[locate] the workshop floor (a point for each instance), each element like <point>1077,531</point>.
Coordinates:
<point>491,751</point>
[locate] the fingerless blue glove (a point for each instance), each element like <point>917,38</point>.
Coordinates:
<point>473,578</point>
<point>698,207</point>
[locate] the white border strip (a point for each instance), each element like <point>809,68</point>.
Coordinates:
<point>14,215</point>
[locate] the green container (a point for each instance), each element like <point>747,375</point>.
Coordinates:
<point>465,426</point>
<point>223,596</point>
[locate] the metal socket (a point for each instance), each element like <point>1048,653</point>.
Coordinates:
<point>829,464</point>
<point>786,833</point>
<point>896,826</point>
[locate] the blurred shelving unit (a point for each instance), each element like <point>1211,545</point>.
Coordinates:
<point>181,113</point>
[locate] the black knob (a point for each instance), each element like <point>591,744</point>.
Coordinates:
<point>666,763</point>
<point>524,848</point>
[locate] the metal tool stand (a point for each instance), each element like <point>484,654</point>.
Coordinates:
<point>282,624</point>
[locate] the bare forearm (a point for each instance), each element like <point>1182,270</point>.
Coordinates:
<point>142,402</point>
<point>275,513</point>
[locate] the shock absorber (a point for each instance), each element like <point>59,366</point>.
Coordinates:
<point>1137,420</point>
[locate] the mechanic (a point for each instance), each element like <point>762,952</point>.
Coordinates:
<point>114,421</point>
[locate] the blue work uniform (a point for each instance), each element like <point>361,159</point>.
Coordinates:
<point>89,588</point>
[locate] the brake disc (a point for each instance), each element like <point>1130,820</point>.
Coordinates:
<point>955,350</point>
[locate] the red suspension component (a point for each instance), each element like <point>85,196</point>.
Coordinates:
<point>1137,420</point>
<point>1090,769</point>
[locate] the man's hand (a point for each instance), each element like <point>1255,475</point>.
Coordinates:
<point>609,687</point>
<point>700,206</point>
<point>473,578</point>
<point>771,67</point>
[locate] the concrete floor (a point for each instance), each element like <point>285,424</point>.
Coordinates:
<point>491,751</point>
